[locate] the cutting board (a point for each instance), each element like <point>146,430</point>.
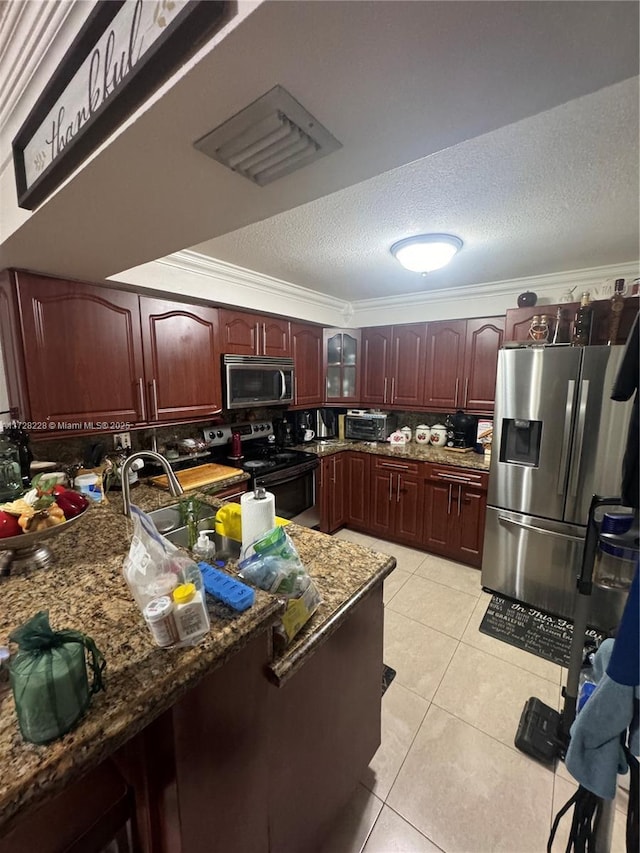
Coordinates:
<point>201,475</point>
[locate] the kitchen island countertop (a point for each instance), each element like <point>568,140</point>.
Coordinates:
<point>85,590</point>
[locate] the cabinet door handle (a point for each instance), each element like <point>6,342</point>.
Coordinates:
<point>393,465</point>
<point>440,476</point>
<point>459,496</point>
<point>449,504</point>
<point>390,486</point>
<point>455,402</point>
<point>393,389</point>
<point>257,341</point>
<point>398,490</point>
<point>385,390</point>
<point>264,339</point>
<point>333,479</point>
<point>143,406</point>
<point>466,392</point>
<point>154,393</point>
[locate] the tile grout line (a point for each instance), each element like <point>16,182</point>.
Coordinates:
<point>517,665</point>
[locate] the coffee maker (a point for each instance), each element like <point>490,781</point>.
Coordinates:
<point>302,421</point>
<point>284,433</point>
<point>465,429</point>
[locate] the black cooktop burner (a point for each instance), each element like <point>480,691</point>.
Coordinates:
<point>285,456</point>
<point>259,463</point>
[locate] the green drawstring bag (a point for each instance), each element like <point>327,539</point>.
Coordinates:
<point>49,678</point>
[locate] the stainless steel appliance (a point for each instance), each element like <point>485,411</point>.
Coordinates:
<point>370,426</point>
<point>558,440</point>
<point>326,423</point>
<point>251,380</point>
<point>288,474</point>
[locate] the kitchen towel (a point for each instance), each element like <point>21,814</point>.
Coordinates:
<point>258,516</point>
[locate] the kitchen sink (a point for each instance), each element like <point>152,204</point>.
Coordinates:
<point>169,518</point>
<point>169,522</point>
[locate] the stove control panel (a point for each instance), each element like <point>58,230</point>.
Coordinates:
<point>217,436</point>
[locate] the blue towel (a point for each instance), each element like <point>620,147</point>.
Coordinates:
<point>595,755</point>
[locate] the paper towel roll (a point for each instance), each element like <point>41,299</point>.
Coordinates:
<point>258,516</point>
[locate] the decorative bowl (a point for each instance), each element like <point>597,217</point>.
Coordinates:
<point>27,549</point>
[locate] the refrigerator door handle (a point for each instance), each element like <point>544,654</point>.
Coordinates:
<point>566,435</point>
<point>535,529</point>
<point>582,417</point>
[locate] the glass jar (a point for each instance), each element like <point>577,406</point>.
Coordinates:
<point>10,472</point>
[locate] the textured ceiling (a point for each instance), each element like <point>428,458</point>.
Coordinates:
<point>395,82</point>
<point>555,192</point>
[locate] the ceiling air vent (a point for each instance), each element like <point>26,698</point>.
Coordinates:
<point>270,138</point>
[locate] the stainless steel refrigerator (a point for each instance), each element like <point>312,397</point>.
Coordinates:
<point>558,439</point>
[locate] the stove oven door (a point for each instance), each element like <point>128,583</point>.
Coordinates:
<point>294,489</point>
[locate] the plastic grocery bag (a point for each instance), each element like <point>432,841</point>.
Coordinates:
<point>49,678</point>
<point>166,584</point>
<point>276,567</point>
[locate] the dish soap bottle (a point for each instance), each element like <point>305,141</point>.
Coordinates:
<point>204,549</point>
<point>582,326</point>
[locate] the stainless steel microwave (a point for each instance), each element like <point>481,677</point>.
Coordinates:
<point>371,426</point>
<point>251,380</point>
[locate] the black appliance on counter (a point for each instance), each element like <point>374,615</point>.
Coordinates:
<point>288,474</point>
<point>465,430</point>
<point>302,423</point>
<point>284,433</point>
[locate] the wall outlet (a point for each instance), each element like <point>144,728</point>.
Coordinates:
<point>122,441</point>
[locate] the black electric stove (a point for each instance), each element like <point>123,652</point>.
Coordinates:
<point>288,473</point>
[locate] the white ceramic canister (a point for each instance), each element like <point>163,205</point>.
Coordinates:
<point>438,435</point>
<point>89,486</point>
<point>406,431</point>
<point>423,434</point>
<point>397,437</point>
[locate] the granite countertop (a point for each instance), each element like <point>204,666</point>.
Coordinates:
<point>413,451</point>
<point>85,590</point>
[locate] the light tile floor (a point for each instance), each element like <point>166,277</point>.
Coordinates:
<point>447,776</point>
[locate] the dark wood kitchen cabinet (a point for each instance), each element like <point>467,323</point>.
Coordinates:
<point>461,363</point>
<point>393,364</point>
<point>342,365</point>
<point>330,496</point>
<point>518,321</point>
<point>242,333</point>
<point>85,357</point>
<point>357,491</point>
<point>306,346</point>
<point>397,500</point>
<point>181,361</point>
<point>454,513</point>
<point>76,352</point>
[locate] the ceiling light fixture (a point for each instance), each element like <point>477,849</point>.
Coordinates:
<point>426,252</point>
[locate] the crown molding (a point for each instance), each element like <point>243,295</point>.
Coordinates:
<point>193,274</point>
<point>489,297</point>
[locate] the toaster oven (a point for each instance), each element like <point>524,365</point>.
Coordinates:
<point>370,426</point>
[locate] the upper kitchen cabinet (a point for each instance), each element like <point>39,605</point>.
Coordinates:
<point>306,346</point>
<point>518,321</point>
<point>461,362</point>
<point>341,363</point>
<point>393,364</point>
<point>76,352</point>
<point>253,334</point>
<point>181,360</point>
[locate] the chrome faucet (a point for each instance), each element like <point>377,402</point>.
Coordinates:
<point>174,486</point>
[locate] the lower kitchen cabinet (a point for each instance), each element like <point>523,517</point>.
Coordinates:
<point>357,490</point>
<point>330,495</point>
<point>397,500</point>
<point>454,513</point>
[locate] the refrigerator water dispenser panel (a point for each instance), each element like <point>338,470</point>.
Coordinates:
<point>520,442</point>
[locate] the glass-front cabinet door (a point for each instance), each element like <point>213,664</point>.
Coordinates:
<point>341,365</point>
